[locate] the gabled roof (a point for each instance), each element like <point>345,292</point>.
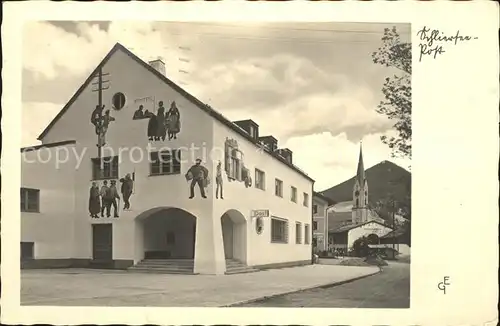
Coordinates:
<point>348,227</point>
<point>178,89</point>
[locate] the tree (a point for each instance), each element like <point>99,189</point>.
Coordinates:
<point>397,91</point>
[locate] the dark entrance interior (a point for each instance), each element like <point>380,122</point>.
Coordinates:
<point>102,242</point>
<point>169,234</point>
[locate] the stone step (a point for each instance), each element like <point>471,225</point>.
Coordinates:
<point>160,270</point>
<point>165,263</point>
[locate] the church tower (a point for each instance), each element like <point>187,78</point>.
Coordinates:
<point>360,193</point>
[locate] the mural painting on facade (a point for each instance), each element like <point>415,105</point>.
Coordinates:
<point>94,201</point>
<point>234,165</point>
<point>146,108</point>
<point>162,123</point>
<point>219,182</point>
<point>110,198</point>
<point>127,188</point>
<point>101,123</point>
<point>198,175</point>
<point>173,121</point>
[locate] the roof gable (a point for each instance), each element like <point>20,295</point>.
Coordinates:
<point>208,109</point>
<point>349,227</point>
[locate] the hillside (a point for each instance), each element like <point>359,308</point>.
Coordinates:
<point>383,179</point>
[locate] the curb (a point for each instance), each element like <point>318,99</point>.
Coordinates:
<point>324,286</point>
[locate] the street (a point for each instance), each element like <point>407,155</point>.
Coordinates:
<point>388,289</point>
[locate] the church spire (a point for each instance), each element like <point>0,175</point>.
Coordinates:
<point>361,168</point>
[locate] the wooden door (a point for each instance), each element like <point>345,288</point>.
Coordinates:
<point>102,242</point>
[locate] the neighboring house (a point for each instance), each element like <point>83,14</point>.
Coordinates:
<point>397,239</point>
<point>321,205</point>
<point>344,236</point>
<point>153,132</point>
<point>348,221</point>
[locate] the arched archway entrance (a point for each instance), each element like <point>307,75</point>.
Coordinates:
<point>165,233</point>
<point>234,235</point>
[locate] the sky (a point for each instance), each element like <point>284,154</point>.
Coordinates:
<point>313,86</point>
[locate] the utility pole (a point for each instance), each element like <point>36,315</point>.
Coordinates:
<point>100,87</point>
<point>393,228</point>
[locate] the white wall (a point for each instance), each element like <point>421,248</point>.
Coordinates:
<point>52,228</point>
<point>236,196</point>
<point>365,230</point>
<point>135,82</point>
<point>321,233</point>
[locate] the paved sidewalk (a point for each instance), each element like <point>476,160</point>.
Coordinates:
<point>79,287</point>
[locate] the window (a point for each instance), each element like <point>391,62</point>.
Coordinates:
<point>307,235</point>
<point>278,188</point>
<point>306,199</point>
<point>315,209</point>
<point>109,168</point>
<point>165,162</point>
<point>293,195</point>
<point>30,200</point>
<point>27,250</point>
<point>279,230</point>
<point>298,233</point>
<point>234,161</point>
<point>260,179</point>
<point>315,225</point>
<point>118,101</point>
<point>252,131</point>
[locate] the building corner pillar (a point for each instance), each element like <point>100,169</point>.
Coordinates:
<point>209,248</point>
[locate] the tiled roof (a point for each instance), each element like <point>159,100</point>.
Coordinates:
<point>208,109</point>
<point>351,226</point>
<point>323,197</point>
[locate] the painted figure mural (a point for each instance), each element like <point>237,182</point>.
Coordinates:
<point>198,175</point>
<point>163,124</point>
<point>161,131</point>
<point>152,127</point>
<point>102,193</point>
<point>219,182</point>
<point>101,123</point>
<point>234,165</point>
<point>94,201</point>
<point>140,113</point>
<point>173,121</point>
<point>126,190</point>
<point>109,198</point>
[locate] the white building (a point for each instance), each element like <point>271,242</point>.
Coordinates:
<point>265,197</point>
<point>321,205</point>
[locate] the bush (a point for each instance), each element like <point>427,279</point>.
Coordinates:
<point>360,247</point>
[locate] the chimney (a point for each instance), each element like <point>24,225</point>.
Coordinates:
<point>287,154</point>
<point>270,142</point>
<point>158,65</point>
<point>249,126</point>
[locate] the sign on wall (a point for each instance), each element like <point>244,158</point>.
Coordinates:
<point>259,213</point>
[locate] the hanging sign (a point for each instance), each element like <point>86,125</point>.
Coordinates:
<point>259,213</point>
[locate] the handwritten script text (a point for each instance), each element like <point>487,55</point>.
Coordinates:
<point>433,41</point>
